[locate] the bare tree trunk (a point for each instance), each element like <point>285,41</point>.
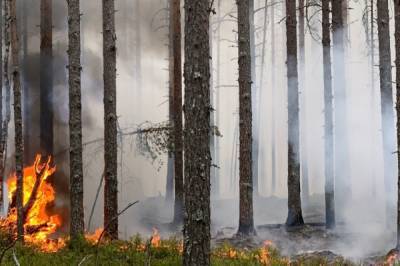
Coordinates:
<point>19,142</point>
<point>246,222</point>
<point>46,77</point>
<point>4,127</point>
<point>303,108</point>
<point>255,100</point>
<point>273,83</point>
<point>295,216</point>
<point>397,44</point>
<point>110,121</point>
<point>196,245</point>
<point>373,103</point>
<point>1,100</point>
<point>169,194</point>
<point>27,107</point>
<point>385,70</point>
<point>328,95</point>
<point>218,95</point>
<point>341,152</point>
<point>75,120</point>
<point>177,107</point>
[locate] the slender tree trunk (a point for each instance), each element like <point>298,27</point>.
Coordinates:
<point>1,99</point>
<point>218,94</point>
<point>19,142</point>
<point>46,77</point>
<point>75,119</point>
<point>177,110</point>
<point>397,44</point>
<point>373,103</point>
<point>303,113</point>
<point>4,127</point>
<point>246,222</point>
<point>385,70</point>
<point>27,107</point>
<point>295,216</point>
<point>255,99</point>
<point>328,96</point>
<point>169,194</point>
<point>273,84</point>
<point>341,152</point>
<point>196,245</point>
<point>110,121</point>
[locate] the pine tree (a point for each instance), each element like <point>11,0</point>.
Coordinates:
<point>295,216</point>
<point>196,244</point>
<point>246,222</point>
<point>75,120</point>
<point>110,121</point>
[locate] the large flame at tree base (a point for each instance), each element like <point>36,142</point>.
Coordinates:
<point>38,195</point>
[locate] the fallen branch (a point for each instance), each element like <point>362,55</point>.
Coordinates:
<point>15,258</point>
<point>95,201</point>
<point>85,259</point>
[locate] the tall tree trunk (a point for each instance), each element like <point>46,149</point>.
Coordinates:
<point>4,127</point>
<point>397,44</point>
<point>255,99</point>
<point>1,100</point>
<point>218,94</point>
<point>27,107</point>
<point>303,112</point>
<point>385,70</point>
<point>246,222</point>
<point>170,160</point>
<point>373,103</point>
<point>19,142</point>
<point>75,120</point>
<point>196,245</point>
<point>341,152</point>
<point>177,110</point>
<point>110,121</point>
<point>46,77</point>
<point>328,95</point>
<point>273,84</point>
<point>295,216</point>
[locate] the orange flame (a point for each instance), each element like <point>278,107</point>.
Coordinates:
<point>39,224</point>
<point>156,239</point>
<point>94,238</point>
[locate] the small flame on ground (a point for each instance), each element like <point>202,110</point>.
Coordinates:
<point>156,239</point>
<point>94,237</point>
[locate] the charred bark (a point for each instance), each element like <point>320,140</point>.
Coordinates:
<point>77,225</point>
<point>19,142</point>
<point>397,45</point>
<point>1,99</point>
<point>387,112</point>
<point>177,111</point>
<point>196,245</point>
<point>110,120</point>
<point>295,216</point>
<point>328,116</point>
<point>46,77</point>
<point>246,222</point>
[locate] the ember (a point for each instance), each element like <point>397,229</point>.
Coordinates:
<point>38,194</point>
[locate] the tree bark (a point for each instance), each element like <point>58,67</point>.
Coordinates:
<point>46,77</point>
<point>397,45</point>
<point>19,142</point>
<point>341,152</point>
<point>387,112</point>
<point>110,121</point>
<point>1,99</point>
<point>246,222</point>
<point>328,115</point>
<point>295,216</point>
<point>177,110</point>
<point>27,107</point>
<point>196,245</point>
<point>75,120</point>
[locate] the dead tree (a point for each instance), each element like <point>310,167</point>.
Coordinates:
<point>77,226</point>
<point>341,152</point>
<point>387,113</point>
<point>46,77</point>
<point>177,110</point>
<point>5,122</point>
<point>110,120</point>
<point>19,141</point>
<point>397,45</point>
<point>295,216</point>
<point>196,244</point>
<point>328,115</point>
<point>246,222</point>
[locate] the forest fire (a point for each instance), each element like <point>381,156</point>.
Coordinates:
<point>38,194</point>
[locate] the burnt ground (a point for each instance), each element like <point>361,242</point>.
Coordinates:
<point>365,241</point>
